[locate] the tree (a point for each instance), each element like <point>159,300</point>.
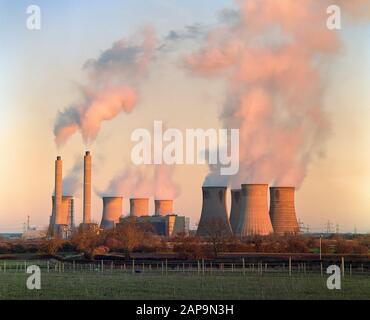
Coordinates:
<point>217,233</point>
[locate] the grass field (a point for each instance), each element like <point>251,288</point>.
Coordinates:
<point>177,285</point>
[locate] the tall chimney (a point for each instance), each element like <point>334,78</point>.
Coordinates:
<point>87,189</point>
<point>282,210</point>
<point>163,207</point>
<point>139,207</point>
<point>236,197</point>
<point>112,211</point>
<point>254,219</point>
<point>58,191</point>
<point>214,217</point>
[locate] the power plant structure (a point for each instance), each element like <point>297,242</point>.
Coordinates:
<point>87,189</point>
<point>59,217</point>
<point>236,199</point>
<point>139,207</point>
<point>282,210</point>
<point>214,216</point>
<point>112,212</point>
<point>254,214</point>
<point>163,207</point>
<point>249,214</point>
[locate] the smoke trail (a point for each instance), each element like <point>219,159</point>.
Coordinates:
<point>73,180</point>
<point>138,182</point>
<point>271,53</point>
<point>111,88</point>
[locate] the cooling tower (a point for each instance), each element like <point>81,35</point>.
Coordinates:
<point>139,207</point>
<point>214,217</point>
<point>282,210</point>
<point>236,196</point>
<point>254,215</point>
<point>67,211</point>
<point>112,211</point>
<point>58,218</point>
<point>163,207</point>
<point>87,189</point>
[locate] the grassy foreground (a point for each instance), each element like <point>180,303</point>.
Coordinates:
<point>118,285</point>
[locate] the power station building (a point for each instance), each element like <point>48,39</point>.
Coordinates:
<point>214,216</point>
<point>282,210</point>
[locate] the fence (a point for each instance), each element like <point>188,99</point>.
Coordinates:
<point>198,267</point>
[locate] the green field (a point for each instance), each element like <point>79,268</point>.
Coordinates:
<point>118,284</point>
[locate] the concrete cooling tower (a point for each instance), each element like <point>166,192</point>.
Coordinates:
<point>139,207</point>
<point>254,219</point>
<point>67,212</point>
<point>87,189</point>
<point>282,210</point>
<point>112,211</point>
<point>214,213</point>
<point>163,207</point>
<point>236,197</point>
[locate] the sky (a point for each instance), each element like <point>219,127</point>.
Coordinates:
<point>40,73</point>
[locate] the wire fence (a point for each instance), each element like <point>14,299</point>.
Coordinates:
<point>198,267</point>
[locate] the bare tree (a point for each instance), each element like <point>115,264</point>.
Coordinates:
<point>217,233</point>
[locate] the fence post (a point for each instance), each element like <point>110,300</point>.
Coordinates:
<point>290,266</point>
<point>243,266</point>
<point>133,266</point>
<point>166,267</point>
<point>350,270</point>
<point>102,265</point>
<point>343,267</point>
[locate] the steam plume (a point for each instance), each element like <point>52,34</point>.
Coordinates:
<point>271,53</point>
<point>140,182</point>
<point>111,88</point>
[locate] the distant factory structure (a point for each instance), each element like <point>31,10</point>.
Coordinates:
<point>250,214</point>
<point>164,221</point>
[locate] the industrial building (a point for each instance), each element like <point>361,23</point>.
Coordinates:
<point>167,226</point>
<point>282,210</point>
<point>236,197</point>
<point>112,212</point>
<point>249,214</point>
<point>254,214</point>
<point>214,212</point>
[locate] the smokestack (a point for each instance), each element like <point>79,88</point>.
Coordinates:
<point>139,207</point>
<point>214,213</point>
<point>112,211</point>
<point>163,207</point>
<point>254,219</point>
<point>236,196</point>
<point>58,191</point>
<point>282,210</point>
<point>87,189</point>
